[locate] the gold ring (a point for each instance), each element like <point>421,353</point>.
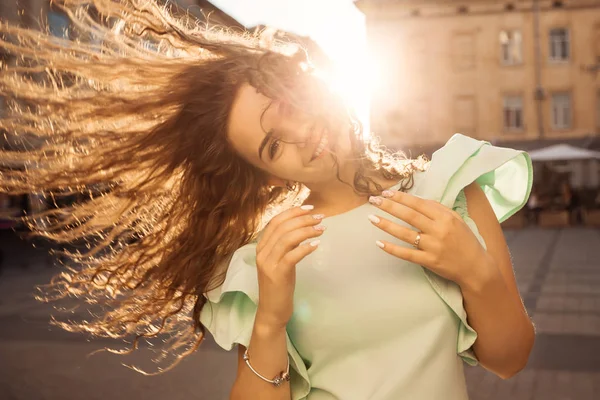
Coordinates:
<point>417,241</point>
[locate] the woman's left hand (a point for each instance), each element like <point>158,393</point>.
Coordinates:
<point>447,245</point>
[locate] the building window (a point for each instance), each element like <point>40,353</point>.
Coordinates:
<point>598,110</point>
<point>596,43</point>
<point>463,51</point>
<point>465,115</point>
<point>559,44</point>
<point>561,111</point>
<point>58,24</point>
<point>421,118</point>
<point>511,46</point>
<point>513,113</point>
<point>416,51</point>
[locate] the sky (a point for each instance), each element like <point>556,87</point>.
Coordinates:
<point>336,25</point>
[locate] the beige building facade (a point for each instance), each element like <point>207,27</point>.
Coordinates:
<point>496,70</point>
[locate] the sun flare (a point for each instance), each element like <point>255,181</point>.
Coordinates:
<point>356,78</point>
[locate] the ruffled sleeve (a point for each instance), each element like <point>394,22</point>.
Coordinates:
<point>505,176</point>
<point>230,310</point>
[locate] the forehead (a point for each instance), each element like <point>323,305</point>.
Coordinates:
<point>245,130</point>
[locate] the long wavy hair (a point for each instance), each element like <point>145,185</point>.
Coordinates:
<point>131,115</point>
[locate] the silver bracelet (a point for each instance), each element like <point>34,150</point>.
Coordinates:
<point>278,380</point>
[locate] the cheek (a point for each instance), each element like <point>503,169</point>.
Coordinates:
<point>343,145</point>
<point>286,166</point>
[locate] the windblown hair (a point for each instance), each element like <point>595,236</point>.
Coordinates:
<point>131,115</point>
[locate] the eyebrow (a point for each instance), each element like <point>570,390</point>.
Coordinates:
<point>264,143</point>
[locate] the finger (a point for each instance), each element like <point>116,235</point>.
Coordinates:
<point>296,255</point>
<point>412,255</point>
<point>429,208</point>
<point>284,216</point>
<point>404,213</point>
<point>401,232</point>
<point>279,219</point>
<point>309,220</point>
<point>290,241</point>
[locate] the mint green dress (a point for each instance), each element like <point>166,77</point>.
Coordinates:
<point>368,325</point>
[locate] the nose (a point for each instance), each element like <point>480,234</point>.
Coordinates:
<point>311,134</point>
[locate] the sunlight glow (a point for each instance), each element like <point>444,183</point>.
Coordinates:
<point>356,80</point>
<point>336,25</point>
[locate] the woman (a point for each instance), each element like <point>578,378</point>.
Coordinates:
<point>534,205</point>
<point>199,140</point>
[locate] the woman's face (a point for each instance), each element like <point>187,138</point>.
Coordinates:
<point>256,125</point>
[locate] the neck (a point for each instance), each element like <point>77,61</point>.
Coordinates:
<point>335,196</point>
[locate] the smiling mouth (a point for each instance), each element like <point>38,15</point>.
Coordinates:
<point>322,144</point>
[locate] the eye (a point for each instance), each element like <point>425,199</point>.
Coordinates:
<point>275,143</point>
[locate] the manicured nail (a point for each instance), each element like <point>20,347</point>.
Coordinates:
<point>307,207</point>
<point>318,216</point>
<point>315,243</point>
<point>375,200</point>
<point>387,193</point>
<point>320,227</point>
<point>378,243</point>
<point>374,219</point>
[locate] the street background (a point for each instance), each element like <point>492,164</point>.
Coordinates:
<point>524,75</point>
<point>557,271</point>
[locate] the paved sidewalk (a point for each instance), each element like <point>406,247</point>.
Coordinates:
<point>557,271</point>
<point>43,362</point>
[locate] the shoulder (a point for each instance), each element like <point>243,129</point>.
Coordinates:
<point>503,175</point>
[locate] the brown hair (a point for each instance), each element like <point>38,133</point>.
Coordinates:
<point>136,124</point>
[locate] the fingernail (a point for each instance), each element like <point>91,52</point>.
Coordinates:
<point>307,207</point>
<point>318,216</point>
<point>315,243</point>
<point>387,193</point>
<point>379,244</point>
<point>375,200</point>
<point>374,219</point>
<point>320,227</point>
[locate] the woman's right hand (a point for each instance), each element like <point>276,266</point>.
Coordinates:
<point>277,254</point>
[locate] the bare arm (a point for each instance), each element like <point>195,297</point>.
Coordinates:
<point>494,305</point>
<point>268,355</point>
<point>277,254</point>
